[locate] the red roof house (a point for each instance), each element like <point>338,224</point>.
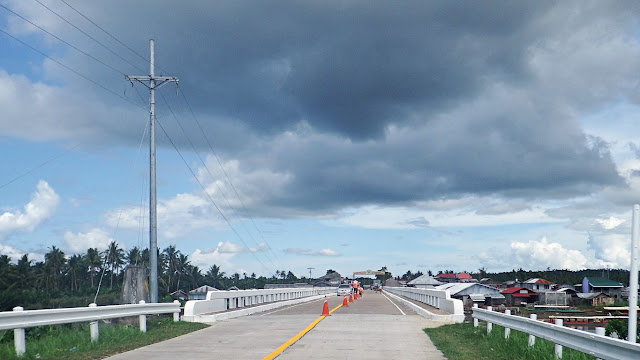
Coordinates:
<point>454,277</point>
<point>518,295</point>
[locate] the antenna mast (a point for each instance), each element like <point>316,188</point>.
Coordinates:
<point>154,82</point>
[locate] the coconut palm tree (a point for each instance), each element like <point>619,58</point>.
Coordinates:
<point>214,276</point>
<point>75,268</point>
<point>114,258</point>
<point>94,261</point>
<point>134,256</point>
<point>54,262</point>
<point>24,272</point>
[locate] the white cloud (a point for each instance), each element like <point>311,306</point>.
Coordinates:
<point>42,206</point>
<point>309,252</point>
<point>610,223</point>
<point>612,250</point>
<point>79,243</point>
<point>205,258</point>
<point>16,254</point>
<point>541,254</point>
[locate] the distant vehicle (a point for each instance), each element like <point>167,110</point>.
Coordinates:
<point>344,289</point>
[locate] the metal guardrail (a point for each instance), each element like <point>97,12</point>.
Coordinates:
<point>19,319</point>
<point>593,344</point>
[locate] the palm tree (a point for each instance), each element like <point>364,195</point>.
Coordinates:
<point>114,257</point>
<point>134,256</point>
<point>7,273</point>
<point>182,268</point>
<point>170,259</point>
<point>54,261</point>
<point>214,275</point>
<point>75,268</point>
<point>24,271</point>
<point>93,260</point>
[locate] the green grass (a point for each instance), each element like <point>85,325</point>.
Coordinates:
<point>73,341</point>
<point>464,342</point>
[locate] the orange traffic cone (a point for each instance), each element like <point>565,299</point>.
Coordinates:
<point>344,301</point>
<point>350,298</point>
<point>325,309</point>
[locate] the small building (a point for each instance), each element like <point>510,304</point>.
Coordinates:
<point>537,284</point>
<point>424,282</point>
<point>595,299</point>
<point>606,286</point>
<point>516,296</point>
<point>201,292</point>
<point>471,293</point>
<point>454,277</point>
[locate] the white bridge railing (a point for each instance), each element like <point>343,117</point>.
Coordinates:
<point>597,344</point>
<point>221,301</point>
<point>19,319</point>
<point>440,299</point>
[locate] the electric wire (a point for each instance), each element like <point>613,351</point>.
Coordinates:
<point>89,36</point>
<point>227,176</point>
<point>61,40</point>
<point>208,196</point>
<point>213,178</point>
<point>128,100</point>
<point>50,160</point>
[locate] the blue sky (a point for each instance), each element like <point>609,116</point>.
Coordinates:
<point>334,135</point>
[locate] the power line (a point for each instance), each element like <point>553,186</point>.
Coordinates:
<point>61,40</point>
<point>89,36</point>
<point>213,178</point>
<point>227,176</point>
<point>39,166</point>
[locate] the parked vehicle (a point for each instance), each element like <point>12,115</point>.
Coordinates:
<point>344,289</point>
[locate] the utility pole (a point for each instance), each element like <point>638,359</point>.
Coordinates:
<point>154,82</point>
<point>310,268</point>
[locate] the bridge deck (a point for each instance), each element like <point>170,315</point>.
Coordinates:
<point>372,327</point>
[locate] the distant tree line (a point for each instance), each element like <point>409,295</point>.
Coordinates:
<point>563,276</point>
<point>64,281</point>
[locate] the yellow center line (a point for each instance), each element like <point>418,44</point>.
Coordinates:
<point>291,341</point>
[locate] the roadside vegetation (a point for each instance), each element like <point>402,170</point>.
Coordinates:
<point>464,342</point>
<point>73,341</point>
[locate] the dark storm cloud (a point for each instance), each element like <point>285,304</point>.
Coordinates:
<point>391,102</point>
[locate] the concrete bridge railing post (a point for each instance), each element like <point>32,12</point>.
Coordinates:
<point>94,329</point>
<point>18,336</point>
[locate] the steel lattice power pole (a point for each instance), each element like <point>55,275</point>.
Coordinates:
<point>152,82</point>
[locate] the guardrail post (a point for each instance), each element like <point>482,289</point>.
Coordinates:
<point>602,332</point>
<point>557,349</point>
<point>475,321</point>
<point>18,337</point>
<point>93,326</point>
<point>532,339</point>
<point>142,320</point>
<point>507,331</point>
<point>176,315</point>
<point>489,324</point>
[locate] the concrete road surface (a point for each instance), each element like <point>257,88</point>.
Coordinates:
<point>372,327</point>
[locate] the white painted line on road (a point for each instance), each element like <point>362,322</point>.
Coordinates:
<point>289,307</point>
<point>394,304</point>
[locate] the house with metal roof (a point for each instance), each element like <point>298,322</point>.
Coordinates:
<point>471,293</point>
<point>537,284</point>
<point>424,281</point>
<point>602,285</point>
<point>517,296</point>
<point>454,277</point>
